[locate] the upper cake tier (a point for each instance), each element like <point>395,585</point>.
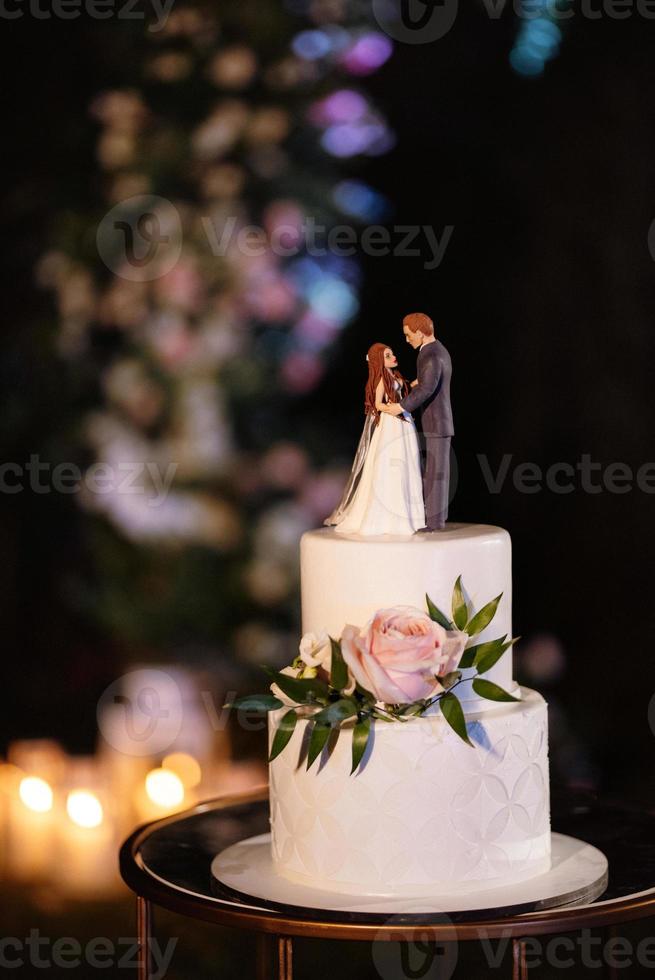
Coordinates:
<point>345,579</point>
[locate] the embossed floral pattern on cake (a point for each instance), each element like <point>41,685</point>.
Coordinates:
<point>423,809</point>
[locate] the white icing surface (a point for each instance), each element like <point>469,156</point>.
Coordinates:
<point>424,812</point>
<point>346,578</point>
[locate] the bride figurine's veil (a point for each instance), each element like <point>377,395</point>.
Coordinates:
<point>358,465</point>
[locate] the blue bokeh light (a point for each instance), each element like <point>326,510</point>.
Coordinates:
<point>357,198</point>
<point>538,41</point>
<point>334,299</point>
<point>311,45</point>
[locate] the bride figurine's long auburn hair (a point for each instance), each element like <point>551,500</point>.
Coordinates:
<point>377,371</point>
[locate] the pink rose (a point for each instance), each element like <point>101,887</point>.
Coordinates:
<point>400,652</point>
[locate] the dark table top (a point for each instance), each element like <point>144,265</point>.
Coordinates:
<point>169,862</point>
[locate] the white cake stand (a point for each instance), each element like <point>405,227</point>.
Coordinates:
<point>578,874</point>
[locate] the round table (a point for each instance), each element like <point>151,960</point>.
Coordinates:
<point>167,864</point>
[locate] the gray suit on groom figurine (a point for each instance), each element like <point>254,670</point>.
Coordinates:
<point>430,396</point>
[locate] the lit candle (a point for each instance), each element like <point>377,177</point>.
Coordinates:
<point>10,778</point>
<point>161,794</point>
<point>37,767</point>
<point>87,842</point>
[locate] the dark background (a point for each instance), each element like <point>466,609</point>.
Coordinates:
<point>544,300</point>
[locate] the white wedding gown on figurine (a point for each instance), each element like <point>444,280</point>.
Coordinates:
<point>384,494</point>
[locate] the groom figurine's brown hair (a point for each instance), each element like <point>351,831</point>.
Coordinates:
<point>419,323</point>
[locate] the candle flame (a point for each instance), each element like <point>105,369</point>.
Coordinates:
<point>84,808</point>
<point>36,794</point>
<point>164,788</point>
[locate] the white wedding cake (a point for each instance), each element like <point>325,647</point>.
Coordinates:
<point>422,811</point>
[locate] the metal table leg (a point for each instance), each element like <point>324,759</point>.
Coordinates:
<point>144,932</point>
<point>285,958</point>
<point>519,962</point>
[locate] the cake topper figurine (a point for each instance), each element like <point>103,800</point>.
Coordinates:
<point>384,492</point>
<point>430,395</point>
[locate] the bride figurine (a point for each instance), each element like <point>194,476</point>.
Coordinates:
<point>384,494</point>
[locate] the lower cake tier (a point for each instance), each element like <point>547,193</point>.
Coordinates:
<point>424,811</point>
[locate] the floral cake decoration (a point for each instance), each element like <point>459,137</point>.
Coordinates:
<point>402,663</point>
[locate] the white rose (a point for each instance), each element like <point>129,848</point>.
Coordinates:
<point>316,654</point>
<point>276,692</point>
<point>316,650</point>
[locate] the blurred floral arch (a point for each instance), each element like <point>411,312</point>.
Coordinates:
<point>199,316</point>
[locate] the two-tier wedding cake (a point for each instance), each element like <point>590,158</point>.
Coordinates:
<point>431,805</point>
<point>407,767</point>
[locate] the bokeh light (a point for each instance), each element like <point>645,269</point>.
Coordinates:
<point>360,200</point>
<point>537,42</point>
<point>84,808</point>
<point>36,794</point>
<point>311,45</point>
<point>185,767</point>
<point>367,54</point>
<point>165,788</point>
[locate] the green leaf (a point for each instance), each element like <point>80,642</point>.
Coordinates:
<point>367,697</point>
<point>437,615</point>
<point>454,715</point>
<point>256,702</point>
<point>318,738</point>
<point>490,691</point>
<point>283,733</point>
<point>486,659</point>
<point>302,691</point>
<point>410,710</point>
<point>336,712</point>
<point>450,679</point>
<point>361,733</point>
<point>484,617</point>
<point>468,658</point>
<point>472,655</point>
<point>339,671</point>
<point>460,609</point>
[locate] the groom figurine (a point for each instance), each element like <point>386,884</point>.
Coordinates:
<point>430,394</point>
